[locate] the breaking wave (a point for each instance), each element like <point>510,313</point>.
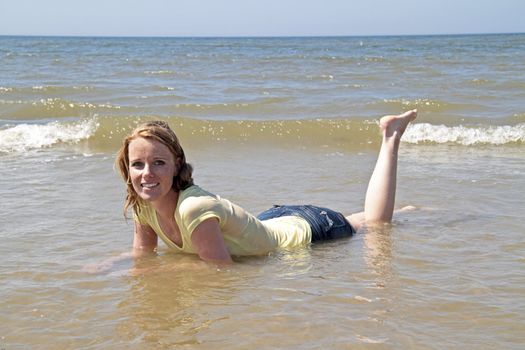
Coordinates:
<point>467,136</point>
<point>24,136</point>
<point>106,133</point>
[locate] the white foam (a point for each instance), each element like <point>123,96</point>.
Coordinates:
<point>493,135</point>
<point>23,137</point>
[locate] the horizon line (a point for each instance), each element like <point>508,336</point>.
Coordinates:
<point>251,36</point>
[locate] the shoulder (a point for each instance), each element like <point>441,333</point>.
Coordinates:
<point>197,205</point>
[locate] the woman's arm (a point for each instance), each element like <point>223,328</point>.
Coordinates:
<point>209,243</point>
<point>145,240</point>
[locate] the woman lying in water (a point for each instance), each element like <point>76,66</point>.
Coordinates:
<point>167,204</point>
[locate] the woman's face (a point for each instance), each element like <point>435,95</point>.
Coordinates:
<point>152,167</point>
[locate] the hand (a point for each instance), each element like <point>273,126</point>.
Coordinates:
<point>106,265</point>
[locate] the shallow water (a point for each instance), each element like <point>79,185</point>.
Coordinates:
<point>454,266</point>
<point>448,275</point>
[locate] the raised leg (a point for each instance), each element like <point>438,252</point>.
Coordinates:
<point>381,192</point>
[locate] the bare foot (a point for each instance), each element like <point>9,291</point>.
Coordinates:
<point>407,208</point>
<point>395,125</point>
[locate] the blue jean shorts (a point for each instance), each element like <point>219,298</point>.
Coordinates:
<point>325,223</point>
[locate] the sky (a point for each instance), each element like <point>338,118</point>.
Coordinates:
<point>195,18</point>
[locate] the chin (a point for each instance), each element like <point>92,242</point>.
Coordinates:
<point>148,197</point>
<point>152,196</point>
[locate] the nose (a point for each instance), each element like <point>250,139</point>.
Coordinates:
<point>148,170</point>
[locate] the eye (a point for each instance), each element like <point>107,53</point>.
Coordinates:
<point>137,164</point>
<point>160,162</point>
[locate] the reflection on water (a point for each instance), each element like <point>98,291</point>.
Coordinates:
<point>178,300</point>
<point>378,252</point>
<point>167,305</point>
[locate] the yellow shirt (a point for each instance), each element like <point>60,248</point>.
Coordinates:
<point>243,233</point>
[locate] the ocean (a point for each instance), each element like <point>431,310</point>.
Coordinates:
<point>266,121</point>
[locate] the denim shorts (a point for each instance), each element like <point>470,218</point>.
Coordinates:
<point>326,224</point>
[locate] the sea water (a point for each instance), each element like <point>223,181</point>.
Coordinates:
<point>266,121</point>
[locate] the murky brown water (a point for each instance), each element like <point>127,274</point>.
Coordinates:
<point>447,276</point>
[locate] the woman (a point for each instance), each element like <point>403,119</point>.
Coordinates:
<point>167,204</point>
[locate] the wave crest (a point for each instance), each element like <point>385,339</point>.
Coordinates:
<point>491,135</point>
<point>23,137</point>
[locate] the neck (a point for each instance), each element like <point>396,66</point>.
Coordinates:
<point>166,206</point>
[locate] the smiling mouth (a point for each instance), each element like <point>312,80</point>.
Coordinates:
<point>149,185</point>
